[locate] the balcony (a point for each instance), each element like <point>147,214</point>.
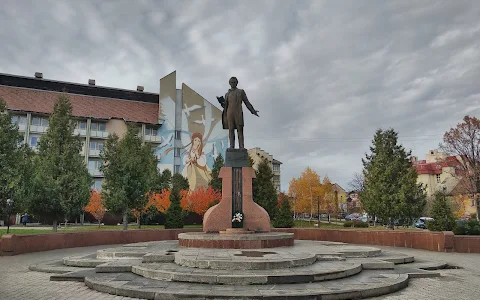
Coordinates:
<point>95,172</point>
<point>38,128</point>
<point>81,132</point>
<point>153,138</point>
<point>99,134</point>
<point>94,152</point>
<point>22,127</point>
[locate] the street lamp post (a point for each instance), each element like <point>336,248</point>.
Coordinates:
<point>318,211</point>
<point>444,188</point>
<point>9,211</point>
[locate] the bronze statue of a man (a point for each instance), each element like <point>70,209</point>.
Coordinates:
<point>232,116</point>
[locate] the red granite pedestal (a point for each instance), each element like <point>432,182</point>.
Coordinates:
<point>218,217</point>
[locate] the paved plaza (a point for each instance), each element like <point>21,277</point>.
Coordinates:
<point>17,282</point>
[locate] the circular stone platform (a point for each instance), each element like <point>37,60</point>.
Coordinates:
<point>306,270</point>
<point>235,241</point>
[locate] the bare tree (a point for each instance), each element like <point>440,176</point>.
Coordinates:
<point>356,184</point>
<point>463,141</point>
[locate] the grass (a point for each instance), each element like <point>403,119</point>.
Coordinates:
<point>27,230</point>
<point>298,224</point>
<point>326,225</point>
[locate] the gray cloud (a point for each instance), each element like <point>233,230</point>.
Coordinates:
<point>323,74</point>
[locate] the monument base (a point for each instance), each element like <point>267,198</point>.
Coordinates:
<point>218,217</point>
<point>235,241</point>
<point>237,196</point>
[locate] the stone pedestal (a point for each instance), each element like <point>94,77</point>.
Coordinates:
<point>236,196</point>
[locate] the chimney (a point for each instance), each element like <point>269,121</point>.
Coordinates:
<point>139,88</point>
<point>91,82</point>
<point>38,75</point>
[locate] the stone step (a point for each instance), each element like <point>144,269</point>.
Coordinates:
<point>243,260</point>
<point>320,271</point>
<point>364,285</point>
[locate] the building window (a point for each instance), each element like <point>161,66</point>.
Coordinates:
<point>151,131</point>
<point>37,121</point>
<point>276,177</point>
<point>96,145</point>
<point>94,165</point>
<point>438,178</point>
<point>82,125</point>
<point>98,126</point>
<point>33,141</point>
<point>16,119</point>
<point>177,134</point>
<point>176,169</point>
<point>276,167</point>
<point>97,184</point>
<point>473,202</point>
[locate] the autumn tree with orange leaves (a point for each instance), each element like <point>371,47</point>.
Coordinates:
<point>463,141</point>
<point>95,206</point>
<point>306,191</point>
<point>200,200</point>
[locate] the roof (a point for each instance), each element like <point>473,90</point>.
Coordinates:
<point>435,167</point>
<point>41,101</point>
<point>76,88</point>
<point>276,162</point>
<point>338,188</point>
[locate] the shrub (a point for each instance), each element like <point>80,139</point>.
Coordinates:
<point>470,227</point>
<point>355,223</point>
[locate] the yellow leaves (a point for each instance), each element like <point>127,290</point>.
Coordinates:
<point>460,203</point>
<point>308,192</point>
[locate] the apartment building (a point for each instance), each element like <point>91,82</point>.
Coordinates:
<point>436,171</point>
<point>258,155</point>
<point>169,120</point>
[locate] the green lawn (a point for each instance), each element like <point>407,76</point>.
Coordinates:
<point>326,225</point>
<point>13,230</point>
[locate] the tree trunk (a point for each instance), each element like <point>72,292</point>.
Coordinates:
<point>99,223</point>
<point>139,221</point>
<point>125,220</point>
<point>82,218</point>
<point>54,225</point>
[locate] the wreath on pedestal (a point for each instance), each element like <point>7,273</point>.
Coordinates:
<point>237,220</point>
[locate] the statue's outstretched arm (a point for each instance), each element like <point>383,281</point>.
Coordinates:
<point>248,104</point>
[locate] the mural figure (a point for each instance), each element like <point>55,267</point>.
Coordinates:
<point>195,167</point>
<point>232,116</point>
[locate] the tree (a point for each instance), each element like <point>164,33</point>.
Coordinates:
<point>442,214</point>
<point>390,180</point>
<point>95,206</point>
<point>306,190</point>
<point>130,171</point>
<point>463,141</point>
<point>61,180</point>
<point>200,200</point>
<point>329,202</point>
<point>264,193</point>
<point>175,214</point>
<point>15,163</point>
<point>356,184</point>
<point>283,216</point>
<point>215,182</point>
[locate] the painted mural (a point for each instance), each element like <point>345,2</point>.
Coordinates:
<point>200,139</point>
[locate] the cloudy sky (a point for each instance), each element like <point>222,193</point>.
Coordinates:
<point>323,74</point>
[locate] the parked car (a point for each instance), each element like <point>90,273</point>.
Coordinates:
<point>352,217</point>
<point>422,222</point>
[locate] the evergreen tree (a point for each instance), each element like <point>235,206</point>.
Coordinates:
<point>215,182</point>
<point>175,215</point>
<point>283,216</point>
<point>442,214</point>
<point>390,189</point>
<point>14,162</point>
<point>61,181</point>
<point>130,171</point>
<point>264,193</point>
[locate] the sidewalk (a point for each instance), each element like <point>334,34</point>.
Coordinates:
<point>17,282</point>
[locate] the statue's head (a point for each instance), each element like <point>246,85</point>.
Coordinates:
<point>233,82</point>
